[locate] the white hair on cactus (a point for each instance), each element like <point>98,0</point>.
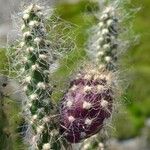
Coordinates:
<point>28,79</point>
<point>69,103</point>
<point>33,61</point>
<point>33,96</point>
<point>22,44</point>
<point>43,56</point>
<point>40,129</point>
<point>46,119</point>
<point>109,34</point>
<point>104,103</point>
<point>26,34</point>
<point>26,16</point>
<point>71,118</point>
<point>35,67</point>
<point>30,49</point>
<point>88,121</point>
<point>41,85</point>
<point>33,23</point>
<point>23,27</point>
<point>87,105</point>
<point>37,40</point>
<point>46,146</point>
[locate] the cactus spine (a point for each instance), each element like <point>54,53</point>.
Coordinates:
<point>38,108</point>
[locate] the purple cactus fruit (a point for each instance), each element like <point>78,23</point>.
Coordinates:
<point>85,106</point>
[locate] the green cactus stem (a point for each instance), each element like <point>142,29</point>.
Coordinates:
<point>103,45</point>
<point>38,109</point>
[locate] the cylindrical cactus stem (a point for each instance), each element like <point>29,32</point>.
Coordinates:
<point>90,98</point>
<point>104,42</point>
<point>38,108</point>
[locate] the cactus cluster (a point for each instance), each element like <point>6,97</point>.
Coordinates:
<point>87,103</point>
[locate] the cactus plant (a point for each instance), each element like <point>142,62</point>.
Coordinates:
<point>39,107</point>
<point>86,105</point>
<point>34,58</point>
<point>90,98</point>
<point>89,101</point>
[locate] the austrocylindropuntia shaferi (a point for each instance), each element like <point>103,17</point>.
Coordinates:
<point>89,101</point>
<point>92,93</point>
<point>33,58</point>
<point>36,83</point>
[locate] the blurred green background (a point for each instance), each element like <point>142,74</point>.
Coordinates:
<point>135,109</point>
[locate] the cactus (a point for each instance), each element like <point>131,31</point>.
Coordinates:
<point>104,43</point>
<point>89,101</point>
<point>35,57</point>
<point>90,98</point>
<point>36,82</point>
<point>33,61</point>
<point>86,105</point>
